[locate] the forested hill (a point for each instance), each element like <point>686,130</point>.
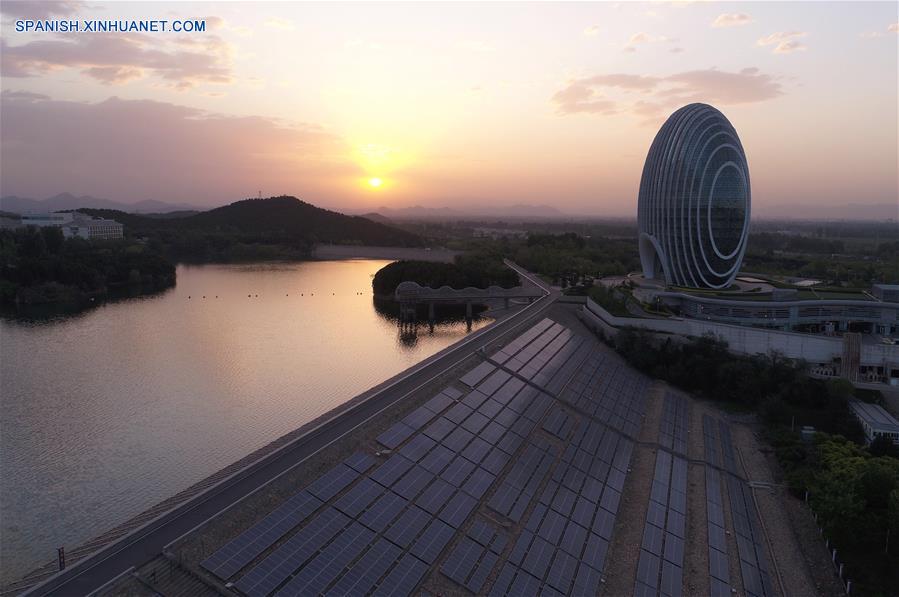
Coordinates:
<point>277,216</point>
<point>257,228</point>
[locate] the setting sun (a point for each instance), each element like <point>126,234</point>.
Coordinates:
<point>375,182</point>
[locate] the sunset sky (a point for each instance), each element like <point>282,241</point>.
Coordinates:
<point>447,104</point>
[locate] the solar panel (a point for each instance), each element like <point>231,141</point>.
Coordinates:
<point>403,579</point>
<point>417,447</point>
<point>396,435</point>
<point>439,429</point>
<point>458,439</point>
<point>478,483</point>
<point>413,482</point>
<point>477,450</point>
<point>394,468</point>
<point>290,555</point>
<point>574,538</point>
<point>404,530</point>
<point>360,462</point>
<point>236,554</point>
<point>379,515</point>
<point>561,572</point>
<point>457,471</point>
<point>314,577</point>
<point>432,541</point>
<point>437,459</point>
<point>474,377</point>
<point>595,551</point>
<point>435,496</point>
<point>538,558</point>
<point>359,498</point>
<point>475,422</point>
<point>332,482</point>
<point>438,403</point>
<point>361,578</point>
<point>474,399</point>
<point>457,509</point>
<point>418,418</point>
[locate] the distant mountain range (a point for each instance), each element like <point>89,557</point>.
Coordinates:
<point>276,219</point>
<point>518,211</point>
<point>64,201</point>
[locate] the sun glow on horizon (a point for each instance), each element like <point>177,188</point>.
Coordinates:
<point>375,182</point>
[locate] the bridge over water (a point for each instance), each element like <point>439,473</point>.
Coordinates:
<point>410,294</point>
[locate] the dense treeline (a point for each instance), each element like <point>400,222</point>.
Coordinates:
<point>854,490</point>
<point>476,270</point>
<point>254,229</point>
<point>39,266</point>
<point>569,257</point>
<point>778,389</point>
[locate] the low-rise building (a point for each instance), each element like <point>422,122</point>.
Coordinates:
<point>876,421</point>
<point>77,225</point>
<point>886,292</point>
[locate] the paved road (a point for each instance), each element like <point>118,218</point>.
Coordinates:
<point>145,543</point>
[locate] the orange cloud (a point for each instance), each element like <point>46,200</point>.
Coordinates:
<point>659,94</point>
<point>121,58</point>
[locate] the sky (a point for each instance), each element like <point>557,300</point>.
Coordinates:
<point>353,106</point>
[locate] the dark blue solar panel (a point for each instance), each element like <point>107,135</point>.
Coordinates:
<point>412,482</point>
<point>403,579</point>
<point>432,541</point>
<point>417,447</point>
<point>361,578</point>
<point>389,472</point>
<point>595,551</point>
<point>574,538</point>
<point>439,429</point>
<point>457,440</point>
<point>474,399</point>
<point>561,573</point>
<point>435,496</point>
<point>437,459</point>
<point>379,515</point>
<point>290,555</point>
<point>458,413</point>
<point>314,577</point>
<point>418,418</point>
<point>495,461</point>
<point>475,422</point>
<point>538,558</point>
<point>474,377</point>
<point>396,435</point>
<point>552,527</point>
<point>478,483</point>
<point>457,509</point>
<point>458,470</point>
<point>332,482</point>
<point>357,499</point>
<point>360,462</point>
<point>586,582</point>
<point>404,530</point>
<point>438,403</point>
<point>477,450</point>
<point>236,554</point>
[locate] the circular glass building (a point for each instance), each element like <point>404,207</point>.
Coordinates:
<point>693,208</point>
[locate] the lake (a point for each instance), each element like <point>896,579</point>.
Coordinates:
<point>106,413</point>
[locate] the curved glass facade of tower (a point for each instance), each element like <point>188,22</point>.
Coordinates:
<point>693,208</point>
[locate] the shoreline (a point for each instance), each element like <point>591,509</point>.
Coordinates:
<point>339,252</point>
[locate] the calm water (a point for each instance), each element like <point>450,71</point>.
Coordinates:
<point>107,413</point>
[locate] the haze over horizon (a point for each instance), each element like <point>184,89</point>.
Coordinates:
<point>358,106</point>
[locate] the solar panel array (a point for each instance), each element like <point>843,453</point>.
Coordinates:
<point>562,548</point>
<point>608,391</point>
<point>660,566</point>
<point>471,562</point>
<point>673,427</point>
<point>719,573</point>
<point>749,535</point>
<point>366,529</point>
